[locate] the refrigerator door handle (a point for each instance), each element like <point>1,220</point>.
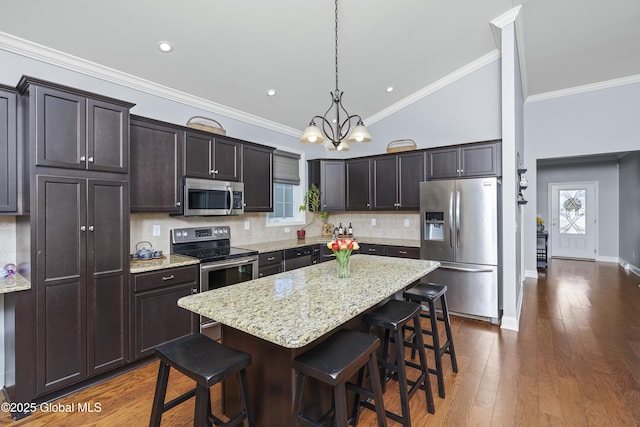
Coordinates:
<point>466,270</point>
<point>457,218</point>
<point>451,219</point>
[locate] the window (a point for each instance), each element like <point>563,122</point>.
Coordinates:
<point>287,191</point>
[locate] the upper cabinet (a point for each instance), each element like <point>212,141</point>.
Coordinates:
<point>257,166</point>
<point>8,152</point>
<point>156,166</point>
<point>469,160</point>
<point>76,130</point>
<point>329,177</point>
<point>387,182</point>
<point>212,156</point>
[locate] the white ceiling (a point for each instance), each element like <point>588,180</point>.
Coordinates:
<point>230,52</point>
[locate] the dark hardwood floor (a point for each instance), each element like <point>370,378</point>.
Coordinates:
<point>574,362</point>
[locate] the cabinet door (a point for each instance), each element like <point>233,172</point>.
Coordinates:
<point>385,185</point>
<point>411,172</point>
<point>358,184</point>
<point>258,179</point>
<point>481,160</point>
<point>227,159</point>
<point>156,167</point>
<point>61,282</point>
<point>332,185</point>
<point>158,318</point>
<point>60,129</point>
<point>8,152</point>
<point>108,275</point>
<point>107,137</point>
<point>443,163</point>
<point>198,155</point>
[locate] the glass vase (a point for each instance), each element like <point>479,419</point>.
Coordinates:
<point>344,267</point>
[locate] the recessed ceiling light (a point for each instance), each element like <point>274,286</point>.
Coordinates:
<point>271,92</point>
<point>389,89</point>
<point>165,47</point>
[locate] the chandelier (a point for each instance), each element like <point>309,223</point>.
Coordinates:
<point>336,131</point>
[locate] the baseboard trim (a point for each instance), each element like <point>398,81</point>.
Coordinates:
<point>532,274</point>
<point>513,323</point>
<point>607,258</point>
<point>629,267</point>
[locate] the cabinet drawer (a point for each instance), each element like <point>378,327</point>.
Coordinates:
<point>269,270</point>
<point>270,258</point>
<point>371,249</point>
<point>167,277</point>
<point>403,252</point>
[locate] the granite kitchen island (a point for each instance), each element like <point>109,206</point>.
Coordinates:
<point>278,317</point>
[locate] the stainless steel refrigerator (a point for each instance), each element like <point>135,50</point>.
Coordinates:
<point>459,227</point>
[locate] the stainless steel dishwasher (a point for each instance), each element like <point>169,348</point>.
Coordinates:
<point>297,257</point>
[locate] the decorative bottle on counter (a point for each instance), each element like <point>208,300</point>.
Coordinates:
<point>350,230</point>
<point>340,230</point>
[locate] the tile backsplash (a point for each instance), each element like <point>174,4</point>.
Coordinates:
<point>7,240</point>
<point>387,224</point>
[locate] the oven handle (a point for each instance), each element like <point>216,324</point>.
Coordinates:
<point>221,265</point>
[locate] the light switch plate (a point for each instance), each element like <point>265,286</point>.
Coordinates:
<point>287,229</point>
<point>373,222</point>
<point>156,229</point>
<point>247,225</point>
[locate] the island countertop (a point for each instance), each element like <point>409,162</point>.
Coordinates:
<point>294,308</point>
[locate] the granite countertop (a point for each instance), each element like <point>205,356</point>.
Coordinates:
<point>169,261</point>
<point>295,243</point>
<point>14,283</point>
<point>294,308</point>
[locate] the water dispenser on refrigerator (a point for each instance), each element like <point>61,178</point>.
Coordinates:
<point>434,226</point>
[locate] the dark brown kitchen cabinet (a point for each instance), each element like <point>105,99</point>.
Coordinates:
<point>373,249</point>
<point>156,317</point>
<point>269,263</point>
<point>468,160</point>
<point>212,156</point>
<point>403,252</point>
<point>329,177</point>
<point>156,166</point>
<point>76,130</point>
<point>257,167</point>
<point>396,181</point>
<point>8,151</point>
<point>358,175</point>
<point>82,269</point>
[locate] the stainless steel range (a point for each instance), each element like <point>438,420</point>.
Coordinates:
<point>220,263</point>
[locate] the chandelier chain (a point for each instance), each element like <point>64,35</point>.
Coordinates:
<point>337,46</point>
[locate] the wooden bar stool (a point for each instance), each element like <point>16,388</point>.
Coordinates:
<point>334,362</point>
<point>393,316</point>
<point>431,293</point>
<point>207,363</point>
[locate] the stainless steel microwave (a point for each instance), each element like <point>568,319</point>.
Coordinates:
<point>204,197</point>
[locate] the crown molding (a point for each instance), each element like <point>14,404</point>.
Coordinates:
<point>584,88</point>
<point>437,85</point>
<point>73,63</point>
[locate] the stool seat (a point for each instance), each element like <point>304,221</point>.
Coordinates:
<point>430,293</point>
<point>425,292</point>
<point>392,314</point>
<point>202,359</point>
<point>335,361</point>
<point>207,363</point>
<point>338,358</point>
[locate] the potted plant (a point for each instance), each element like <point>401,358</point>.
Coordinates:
<point>311,202</point>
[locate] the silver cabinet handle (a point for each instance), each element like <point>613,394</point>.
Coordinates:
<point>178,204</point>
<point>402,252</point>
<point>83,158</point>
<point>194,291</point>
<point>91,228</point>
<point>165,278</point>
<point>90,159</point>
<point>212,172</point>
<point>83,228</point>
<point>271,258</point>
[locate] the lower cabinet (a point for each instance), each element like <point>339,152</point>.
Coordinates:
<point>371,249</point>
<point>404,252</point>
<point>269,263</point>
<point>155,315</point>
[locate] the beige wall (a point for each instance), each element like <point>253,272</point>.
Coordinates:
<point>7,240</point>
<point>388,224</point>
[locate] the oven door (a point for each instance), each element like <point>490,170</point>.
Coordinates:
<point>218,274</point>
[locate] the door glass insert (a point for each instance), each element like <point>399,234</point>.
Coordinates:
<point>572,215</point>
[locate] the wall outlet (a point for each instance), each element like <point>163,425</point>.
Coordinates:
<point>156,229</point>
<point>406,222</point>
<point>247,225</point>
<point>373,222</point>
<point>287,229</point>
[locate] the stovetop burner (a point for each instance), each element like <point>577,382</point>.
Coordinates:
<point>206,243</point>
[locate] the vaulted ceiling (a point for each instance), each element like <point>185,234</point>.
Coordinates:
<point>230,52</point>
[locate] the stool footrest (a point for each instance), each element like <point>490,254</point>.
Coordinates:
<point>178,400</point>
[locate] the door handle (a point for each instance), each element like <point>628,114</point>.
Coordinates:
<point>451,219</point>
<point>219,266</point>
<point>230,199</point>
<point>457,218</point>
<point>91,228</point>
<point>466,270</point>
